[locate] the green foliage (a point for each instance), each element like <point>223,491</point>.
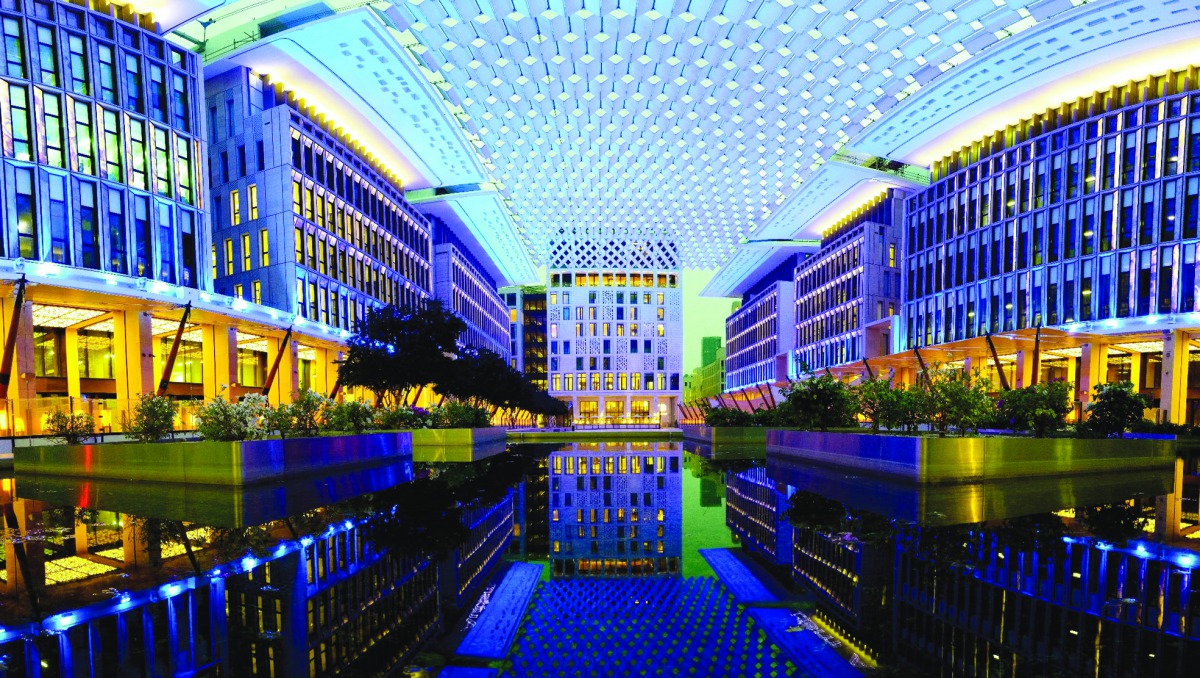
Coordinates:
<point>228,421</point>
<point>463,415</point>
<point>818,403</point>
<point>405,417</point>
<point>728,416</point>
<point>305,411</point>
<point>1114,522</point>
<point>153,418</point>
<point>874,401</point>
<point>1039,409</point>
<point>905,408</point>
<point>351,416</point>
<point>397,349</point>
<point>281,419</point>
<point>71,429</point>
<point>1115,408</point>
<point>957,400</point>
<point>766,417</point>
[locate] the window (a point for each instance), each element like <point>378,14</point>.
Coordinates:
<point>116,233</point>
<point>167,244</point>
<point>237,292</point>
<point>85,154</point>
<point>245,251</point>
<point>228,256</point>
<point>112,145</point>
<point>27,235</point>
<point>87,226</point>
<point>53,134</point>
<point>141,236</point>
<point>162,163</point>
<point>60,222</point>
<point>183,169</point>
<point>257,289</point>
<point>14,57</point>
<point>252,199</point>
<point>133,83</point>
<point>137,149</point>
<point>235,207</point>
<point>107,74</point>
<point>158,93</point>
<point>18,98</point>
<point>47,56</point>
<point>265,247</point>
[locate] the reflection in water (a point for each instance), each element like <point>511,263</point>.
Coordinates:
<point>616,509</point>
<point>1033,578</point>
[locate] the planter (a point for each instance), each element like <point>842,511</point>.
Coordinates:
<point>216,505</point>
<point>941,460</point>
<point>725,435</point>
<point>457,444</point>
<point>214,462</point>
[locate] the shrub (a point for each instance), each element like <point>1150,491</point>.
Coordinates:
<point>1039,409</point>
<point>728,416</point>
<point>765,417</point>
<point>223,420</point>
<point>350,416</point>
<point>1116,408</point>
<point>462,415</point>
<point>306,411</point>
<point>71,429</point>
<point>153,418</point>
<point>906,408</point>
<point>405,417</point>
<point>818,403</point>
<point>959,400</point>
<point>874,396</point>
<point>281,418</point>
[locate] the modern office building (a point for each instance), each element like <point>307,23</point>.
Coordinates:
<point>302,221</point>
<point>616,509</point>
<point>759,337</point>
<point>615,328</point>
<point>527,328</point>
<point>465,287</point>
<point>756,512</point>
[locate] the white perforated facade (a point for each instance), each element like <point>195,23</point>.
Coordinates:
<point>615,327</point>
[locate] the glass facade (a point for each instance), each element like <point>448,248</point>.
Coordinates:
<point>756,334</point>
<point>100,127</point>
<point>1087,213</point>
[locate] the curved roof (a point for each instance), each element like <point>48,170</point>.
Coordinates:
<point>716,121</point>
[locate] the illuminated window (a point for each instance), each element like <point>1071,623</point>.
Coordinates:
<point>245,251</point>
<point>264,245</point>
<point>257,291</point>
<point>228,256</point>
<point>237,292</point>
<point>235,207</point>
<point>252,197</point>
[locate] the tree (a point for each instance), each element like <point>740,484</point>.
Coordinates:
<point>1115,408</point>
<point>1040,408</point>
<point>728,416</point>
<point>906,408</point>
<point>397,349</point>
<point>71,429</point>
<point>957,400</point>
<point>818,403</point>
<point>153,418</point>
<point>221,419</point>
<point>874,396</point>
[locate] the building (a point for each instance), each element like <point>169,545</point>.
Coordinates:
<point>616,509</point>
<point>302,221</point>
<point>464,287</point>
<point>847,292</point>
<point>708,349</point>
<point>615,328</point>
<point>527,328</point>
<point>756,512</point>
<point>761,333</point>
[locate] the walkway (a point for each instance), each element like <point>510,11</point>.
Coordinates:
<point>493,632</point>
<point>803,646</point>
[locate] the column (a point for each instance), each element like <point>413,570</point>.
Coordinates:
<point>1072,372</point>
<point>220,359</point>
<point>1174,376</point>
<point>1135,371</point>
<point>1094,363</point>
<point>133,354</point>
<point>1023,370</point>
<point>287,379</point>
<point>71,346</point>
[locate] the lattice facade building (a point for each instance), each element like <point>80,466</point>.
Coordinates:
<point>615,326</point>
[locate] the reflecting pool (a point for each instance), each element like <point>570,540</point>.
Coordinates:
<point>601,559</point>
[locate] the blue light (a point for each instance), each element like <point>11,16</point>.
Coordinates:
<point>171,590</point>
<point>281,549</point>
<point>1187,560</point>
<point>306,541</point>
<point>349,524</point>
<point>1141,551</point>
<point>249,563</point>
<point>1104,546</point>
<point>1069,540</point>
<point>216,572</point>
<point>62,621</point>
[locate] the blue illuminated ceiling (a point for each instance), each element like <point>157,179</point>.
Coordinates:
<point>718,122</point>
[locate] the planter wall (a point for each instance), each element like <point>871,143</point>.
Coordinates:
<point>457,444</point>
<point>214,462</point>
<point>725,435</point>
<point>937,460</point>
